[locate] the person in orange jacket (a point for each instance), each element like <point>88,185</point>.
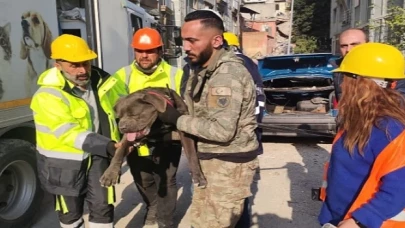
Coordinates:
<point>364,182</point>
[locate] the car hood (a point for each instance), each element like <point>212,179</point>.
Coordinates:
<point>297,65</point>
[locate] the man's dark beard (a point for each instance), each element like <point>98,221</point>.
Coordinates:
<point>149,70</point>
<point>205,55</point>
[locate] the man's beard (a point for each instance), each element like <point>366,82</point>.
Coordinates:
<point>75,79</point>
<point>149,70</point>
<point>203,58</point>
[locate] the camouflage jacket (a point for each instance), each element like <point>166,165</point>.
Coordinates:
<point>223,117</point>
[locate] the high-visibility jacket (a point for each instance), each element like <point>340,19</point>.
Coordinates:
<point>165,75</point>
<point>65,140</point>
<point>388,160</point>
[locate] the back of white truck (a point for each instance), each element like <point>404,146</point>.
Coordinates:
<point>26,31</point>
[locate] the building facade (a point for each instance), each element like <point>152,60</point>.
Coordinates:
<point>267,24</point>
<point>368,15</point>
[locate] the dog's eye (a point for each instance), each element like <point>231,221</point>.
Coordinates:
<point>35,20</point>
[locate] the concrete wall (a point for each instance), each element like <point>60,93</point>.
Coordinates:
<point>257,44</point>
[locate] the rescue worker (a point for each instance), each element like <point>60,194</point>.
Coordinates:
<point>365,180</point>
<point>233,41</point>
<point>154,166</point>
<point>220,95</point>
<point>76,133</point>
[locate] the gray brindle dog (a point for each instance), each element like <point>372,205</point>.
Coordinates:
<point>137,112</point>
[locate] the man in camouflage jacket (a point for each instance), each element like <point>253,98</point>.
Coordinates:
<point>220,95</point>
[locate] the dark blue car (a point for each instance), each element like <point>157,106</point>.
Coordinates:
<point>300,95</point>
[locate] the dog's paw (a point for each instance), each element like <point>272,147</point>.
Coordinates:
<point>110,177</point>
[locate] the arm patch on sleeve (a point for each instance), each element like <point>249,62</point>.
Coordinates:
<point>219,97</point>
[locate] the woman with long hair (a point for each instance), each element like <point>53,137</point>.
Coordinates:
<point>365,178</point>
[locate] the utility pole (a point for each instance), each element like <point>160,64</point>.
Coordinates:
<point>291,26</point>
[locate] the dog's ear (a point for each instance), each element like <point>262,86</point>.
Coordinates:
<point>158,102</point>
<point>24,50</point>
<point>118,106</point>
<point>46,44</point>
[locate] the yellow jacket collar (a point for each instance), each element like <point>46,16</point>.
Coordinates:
<point>52,77</point>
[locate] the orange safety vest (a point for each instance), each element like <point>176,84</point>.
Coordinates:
<point>385,163</point>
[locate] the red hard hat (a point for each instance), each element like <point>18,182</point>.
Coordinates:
<point>146,39</point>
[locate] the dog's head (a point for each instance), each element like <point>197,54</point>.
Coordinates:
<point>36,34</point>
<point>138,111</point>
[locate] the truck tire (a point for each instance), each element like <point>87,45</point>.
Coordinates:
<point>20,191</point>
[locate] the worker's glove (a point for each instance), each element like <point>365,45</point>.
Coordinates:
<point>170,115</point>
<point>111,149</point>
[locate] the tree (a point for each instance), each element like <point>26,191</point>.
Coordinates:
<point>311,26</point>
<point>395,25</point>
<point>305,44</point>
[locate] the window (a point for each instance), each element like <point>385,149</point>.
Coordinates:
<point>136,23</point>
<point>75,32</point>
<point>334,15</point>
<point>357,15</point>
<point>277,7</point>
<point>369,8</point>
<point>393,3</point>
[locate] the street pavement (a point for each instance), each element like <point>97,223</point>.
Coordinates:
<point>289,168</point>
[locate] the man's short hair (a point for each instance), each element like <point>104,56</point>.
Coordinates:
<point>365,32</point>
<point>208,19</point>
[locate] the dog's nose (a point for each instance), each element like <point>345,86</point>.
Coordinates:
<point>25,24</point>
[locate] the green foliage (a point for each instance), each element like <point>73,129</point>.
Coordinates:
<point>305,44</point>
<point>395,25</point>
<point>311,25</point>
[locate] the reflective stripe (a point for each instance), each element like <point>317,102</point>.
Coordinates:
<point>101,225</point>
<point>111,194</point>
<point>63,129</point>
<point>257,110</point>
<point>55,92</point>
<point>173,71</point>
<point>43,128</point>
<point>63,205</point>
<point>128,72</point>
<point>324,184</point>
<point>78,224</point>
<point>399,217</point>
<point>143,150</point>
<point>80,138</point>
<point>58,132</point>
<point>63,155</point>
<point>261,103</point>
<point>57,204</point>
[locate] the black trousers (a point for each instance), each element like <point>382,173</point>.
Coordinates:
<point>155,178</point>
<point>96,198</point>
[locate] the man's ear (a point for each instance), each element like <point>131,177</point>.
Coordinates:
<point>158,102</point>
<point>217,41</point>
<point>57,65</point>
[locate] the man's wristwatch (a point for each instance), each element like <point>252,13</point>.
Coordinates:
<point>359,223</point>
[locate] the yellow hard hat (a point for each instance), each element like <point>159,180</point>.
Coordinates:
<point>72,49</point>
<point>374,60</point>
<point>231,39</point>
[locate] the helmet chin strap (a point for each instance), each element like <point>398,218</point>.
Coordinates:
<point>148,71</point>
